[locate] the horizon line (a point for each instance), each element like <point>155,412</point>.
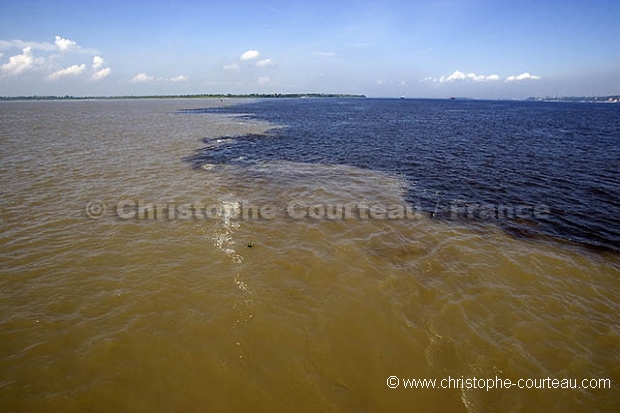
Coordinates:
<point>614,98</point>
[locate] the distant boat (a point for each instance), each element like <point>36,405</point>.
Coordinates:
<point>452,98</point>
<point>402,96</point>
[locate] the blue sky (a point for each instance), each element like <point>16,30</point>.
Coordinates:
<point>474,48</point>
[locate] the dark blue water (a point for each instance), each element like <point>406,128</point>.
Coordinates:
<point>535,168</point>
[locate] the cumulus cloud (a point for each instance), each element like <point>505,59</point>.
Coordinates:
<point>263,80</point>
<point>65,44</point>
<point>264,63</point>
<point>21,62</point>
<point>73,70</point>
<point>522,76</point>
<point>141,78</point>
<point>97,62</point>
<point>250,54</point>
<point>52,57</point>
<point>100,74</point>
<point>180,78</point>
<point>458,76</point>
<point>232,67</point>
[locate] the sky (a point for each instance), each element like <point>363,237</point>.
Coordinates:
<point>427,49</point>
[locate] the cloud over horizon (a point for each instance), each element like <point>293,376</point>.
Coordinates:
<point>73,70</point>
<point>97,62</point>
<point>264,63</point>
<point>65,44</point>
<point>458,76</point>
<point>50,59</point>
<point>522,76</point>
<point>141,78</point>
<point>180,78</point>
<point>246,56</point>
<point>461,76</point>
<point>249,55</point>
<point>99,73</point>
<point>20,63</point>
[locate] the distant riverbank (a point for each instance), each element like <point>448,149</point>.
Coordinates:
<point>201,96</point>
<point>593,99</point>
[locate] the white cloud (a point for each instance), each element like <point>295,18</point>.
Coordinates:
<point>141,78</point>
<point>101,73</point>
<point>60,44</point>
<point>250,54</point>
<point>73,70</point>
<point>264,63</point>
<point>65,44</point>
<point>456,75</point>
<point>232,67</point>
<point>22,44</point>
<point>180,78</point>
<point>264,80</point>
<point>522,76</point>
<point>50,59</point>
<point>21,62</point>
<point>460,76</point>
<point>97,62</point>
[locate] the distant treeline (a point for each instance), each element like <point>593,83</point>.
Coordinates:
<point>601,99</point>
<point>202,96</point>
